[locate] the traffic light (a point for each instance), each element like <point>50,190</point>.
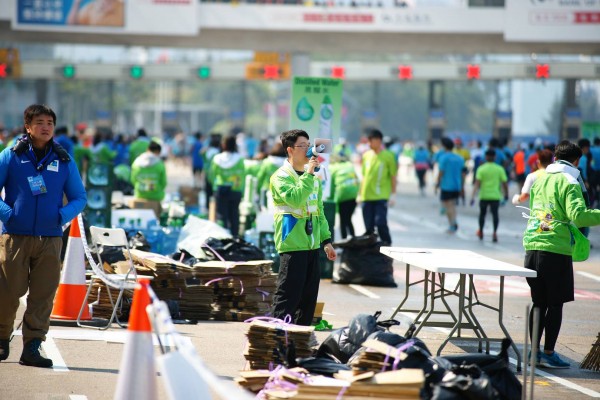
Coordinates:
<point>10,65</point>
<point>136,71</point>
<point>405,72</point>
<point>473,71</point>
<point>203,72</point>
<point>69,71</point>
<point>338,72</point>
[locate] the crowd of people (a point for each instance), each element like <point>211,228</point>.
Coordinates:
<point>560,182</point>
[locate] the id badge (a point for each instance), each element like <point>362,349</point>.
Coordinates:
<point>37,185</point>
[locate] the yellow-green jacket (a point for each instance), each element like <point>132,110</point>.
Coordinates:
<point>297,199</point>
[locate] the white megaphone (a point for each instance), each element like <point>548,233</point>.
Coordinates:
<point>314,151</point>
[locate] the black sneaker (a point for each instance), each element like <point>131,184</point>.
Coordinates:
<point>4,349</point>
<point>31,355</point>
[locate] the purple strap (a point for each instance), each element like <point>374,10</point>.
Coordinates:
<point>385,360</point>
<point>401,349</point>
<point>224,278</point>
<point>341,393</point>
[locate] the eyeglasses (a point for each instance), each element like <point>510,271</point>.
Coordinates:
<point>303,146</point>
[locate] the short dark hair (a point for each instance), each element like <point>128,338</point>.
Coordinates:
<point>35,110</point>
<point>229,144</point>
<point>154,147</point>
<point>142,133</point>
<point>375,134</point>
<point>61,130</point>
<point>490,153</point>
<point>545,157</point>
<point>584,142</point>
<point>289,138</point>
<point>447,143</point>
<point>567,151</point>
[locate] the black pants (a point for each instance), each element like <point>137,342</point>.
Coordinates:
<point>346,209</point>
<point>421,176</point>
<point>493,205</point>
<point>228,208</point>
<point>297,286</point>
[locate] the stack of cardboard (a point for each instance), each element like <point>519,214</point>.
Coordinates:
<point>242,289</point>
<point>255,381</point>
<point>378,356</point>
<point>174,283</point>
<point>400,384</point>
<point>266,340</point>
<point>404,384</point>
<point>101,304</point>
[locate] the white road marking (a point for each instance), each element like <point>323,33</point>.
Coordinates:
<point>52,352</point>
<point>77,397</point>
<point>588,275</point>
<point>327,313</point>
<point>364,291</point>
<point>560,381</point>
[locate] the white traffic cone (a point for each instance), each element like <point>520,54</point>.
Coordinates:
<point>137,373</point>
<point>72,288</point>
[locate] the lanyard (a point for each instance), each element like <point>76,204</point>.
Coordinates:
<point>33,158</point>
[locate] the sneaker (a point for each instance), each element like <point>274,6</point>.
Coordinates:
<point>4,349</point>
<point>552,361</point>
<point>495,238</point>
<point>479,234</point>
<point>452,228</point>
<point>31,355</point>
<point>538,356</point>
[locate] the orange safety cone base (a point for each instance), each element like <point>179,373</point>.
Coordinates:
<point>64,305</point>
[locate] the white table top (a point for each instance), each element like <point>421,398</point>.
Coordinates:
<point>455,261</point>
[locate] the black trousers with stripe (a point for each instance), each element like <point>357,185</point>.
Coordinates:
<point>297,286</point>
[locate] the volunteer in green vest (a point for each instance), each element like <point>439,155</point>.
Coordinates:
<point>268,166</point>
<point>556,201</point>
<point>344,189</point>
<point>227,173</point>
<point>301,229</point>
<point>139,145</point>
<point>488,180</point>
<point>149,177</point>
<point>379,170</point>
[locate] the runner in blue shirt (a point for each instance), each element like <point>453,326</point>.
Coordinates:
<point>450,181</point>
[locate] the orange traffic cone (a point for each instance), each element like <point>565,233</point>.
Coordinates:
<point>71,290</point>
<point>137,374</point>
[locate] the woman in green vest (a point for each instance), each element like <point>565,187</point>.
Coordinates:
<point>228,173</point>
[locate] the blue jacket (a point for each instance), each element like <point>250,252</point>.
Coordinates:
<point>21,212</point>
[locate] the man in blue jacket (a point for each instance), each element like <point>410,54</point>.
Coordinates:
<point>35,174</point>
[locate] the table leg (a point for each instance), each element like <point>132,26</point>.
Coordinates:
<point>461,305</point>
<point>406,291</point>
<point>443,297</point>
<point>425,295</point>
<point>477,328</point>
<point>501,323</point>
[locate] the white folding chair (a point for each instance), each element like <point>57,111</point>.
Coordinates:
<point>108,237</point>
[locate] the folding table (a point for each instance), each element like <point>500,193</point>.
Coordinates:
<point>436,263</point>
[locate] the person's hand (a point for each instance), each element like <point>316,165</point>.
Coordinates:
<point>312,164</point>
<point>330,251</point>
<point>516,199</point>
<point>472,203</point>
<point>392,201</point>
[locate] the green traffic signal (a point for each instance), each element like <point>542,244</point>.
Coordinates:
<point>136,72</point>
<point>69,71</point>
<point>204,72</point>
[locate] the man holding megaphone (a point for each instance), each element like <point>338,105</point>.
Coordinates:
<point>301,229</point>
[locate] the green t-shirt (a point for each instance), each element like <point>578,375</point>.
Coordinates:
<point>490,175</point>
<point>344,182</point>
<point>378,170</point>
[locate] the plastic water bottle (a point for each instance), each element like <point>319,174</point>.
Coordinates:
<point>154,235</point>
<point>325,117</point>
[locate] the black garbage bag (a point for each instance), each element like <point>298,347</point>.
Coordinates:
<point>356,241</point>
<point>342,343</point>
<point>363,264</point>
<point>111,254</point>
<point>496,367</point>
<point>390,338</point>
<point>465,382</point>
<point>322,365</point>
<point>139,242</point>
<point>233,249</point>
